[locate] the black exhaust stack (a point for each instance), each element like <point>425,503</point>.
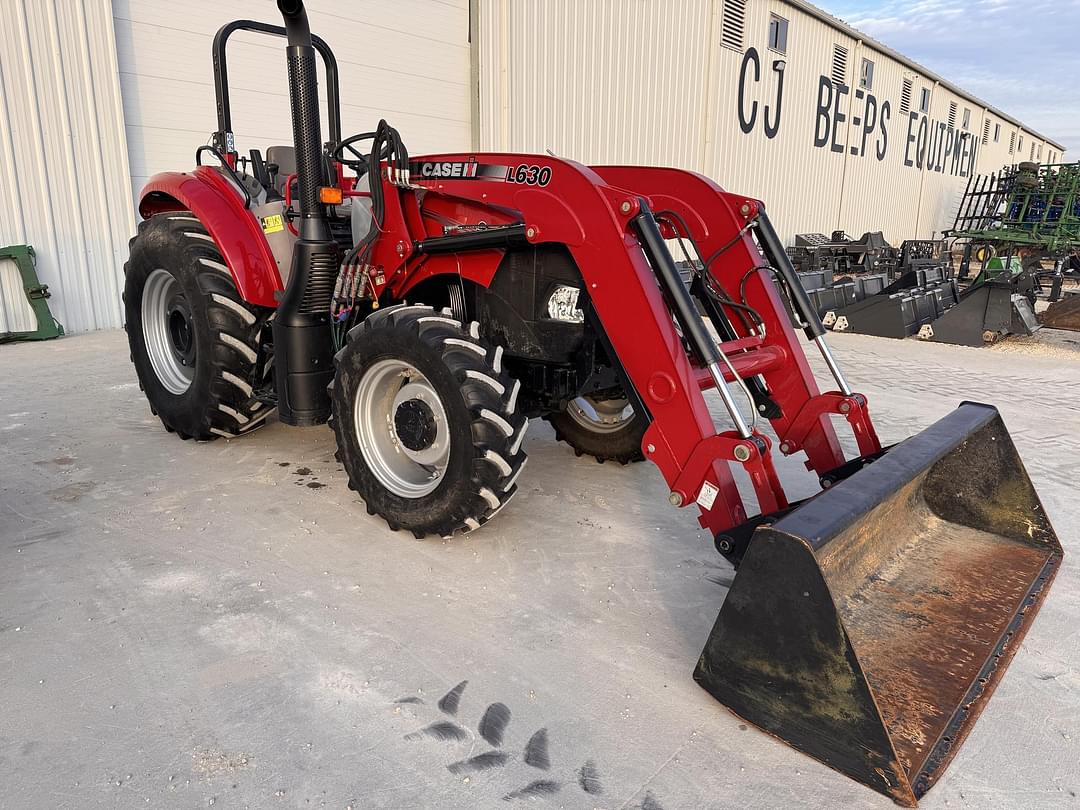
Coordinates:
<point>303,351</point>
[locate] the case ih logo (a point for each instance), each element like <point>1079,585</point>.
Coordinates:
<point>447,169</point>
<point>528,174</point>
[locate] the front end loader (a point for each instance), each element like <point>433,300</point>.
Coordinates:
<point>429,307</point>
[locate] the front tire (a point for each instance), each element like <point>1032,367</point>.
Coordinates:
<point>426,421</point>
<point>194,341</point>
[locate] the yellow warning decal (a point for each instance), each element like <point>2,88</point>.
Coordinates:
<point>273,223</point>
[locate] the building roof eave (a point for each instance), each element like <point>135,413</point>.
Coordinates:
<point>843,27</point>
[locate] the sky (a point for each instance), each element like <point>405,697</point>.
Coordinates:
<point>1021,56</point>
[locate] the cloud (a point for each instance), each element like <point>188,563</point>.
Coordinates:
<point>1017,55</point>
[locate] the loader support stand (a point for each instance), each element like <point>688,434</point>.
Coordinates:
<point>37,295</point>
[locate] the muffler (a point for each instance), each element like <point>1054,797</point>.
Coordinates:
<point>303,347</point>
<point>869,626</point>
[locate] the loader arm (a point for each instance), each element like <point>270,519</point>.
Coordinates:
<point>715,218</point>
<point>606,219</point>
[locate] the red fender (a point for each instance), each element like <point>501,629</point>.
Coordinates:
<point>210,197</point>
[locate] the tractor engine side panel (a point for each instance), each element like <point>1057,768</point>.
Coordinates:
<point>513,309</point>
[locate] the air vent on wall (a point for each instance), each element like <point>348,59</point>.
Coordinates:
<point>1012,142</point>
<point>905,97</point>
<point>733,23</point>
<point>839,64</point>
<point>952,114</point>
<point>986,131</point>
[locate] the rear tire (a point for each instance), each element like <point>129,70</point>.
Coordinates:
<point>426,421</point>
<point>193,340</point>
<point>607,430</point>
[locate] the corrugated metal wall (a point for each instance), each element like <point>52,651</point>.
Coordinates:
<point>658,82</point>
<point>407,61</point>
<point>86,116</point>
<point>63,159</point>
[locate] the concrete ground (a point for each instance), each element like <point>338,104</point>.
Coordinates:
<point>187,625</point>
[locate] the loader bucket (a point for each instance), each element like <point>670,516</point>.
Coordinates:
<point>986,311</point>
<point>869,626</point>
<point>1063,314</point>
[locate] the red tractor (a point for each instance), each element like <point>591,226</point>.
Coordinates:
<point>429,307</point>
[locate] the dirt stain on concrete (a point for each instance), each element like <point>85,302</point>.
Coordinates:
<point>62,461</point>
<point>72,493</point>
<point>211,763</point>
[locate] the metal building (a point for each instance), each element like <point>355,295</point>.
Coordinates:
<point>773,98</point>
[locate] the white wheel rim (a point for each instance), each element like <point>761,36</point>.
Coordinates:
<point>601,416</point>
<point>402,428</point>
<point>168,332</point>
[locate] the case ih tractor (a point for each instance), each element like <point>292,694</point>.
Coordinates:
<point>429,307</point>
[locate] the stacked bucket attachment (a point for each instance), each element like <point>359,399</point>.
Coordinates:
<point>901,309</point>
<point>926,301</point>
<point>1063,314</point>
<point>868,626</point>
<point>998,303</point>
<point>986,312</point>
<point>829,294</point>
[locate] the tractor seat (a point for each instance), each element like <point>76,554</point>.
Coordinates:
<point>285,158</point>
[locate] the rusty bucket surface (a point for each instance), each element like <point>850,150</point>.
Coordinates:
<point>869,626</point>
<point>1063,314</point>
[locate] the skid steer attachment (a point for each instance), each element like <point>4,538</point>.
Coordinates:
<point>869,626</point>
<point>1063,314</point>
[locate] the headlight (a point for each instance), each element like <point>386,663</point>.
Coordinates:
<point>562,305</point>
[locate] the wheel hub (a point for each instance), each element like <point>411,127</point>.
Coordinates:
<point>600,415</point>
<point>415,425</point>
<point>402,428</point>
<point>168,331</point>
<point>181,331</point>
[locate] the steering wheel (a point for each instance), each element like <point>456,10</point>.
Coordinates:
<point>360,164</point>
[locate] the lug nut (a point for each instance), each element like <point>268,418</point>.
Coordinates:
<point>675,499</point>
<point>745,209</point>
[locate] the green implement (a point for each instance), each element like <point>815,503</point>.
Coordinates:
<point>37,294</point>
